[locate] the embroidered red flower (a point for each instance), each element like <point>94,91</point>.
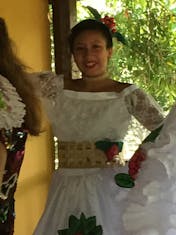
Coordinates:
<point>112,152</point>
<point>135,163</point>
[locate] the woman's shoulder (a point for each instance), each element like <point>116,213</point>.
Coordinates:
<point>124,88</point>
<point>121,86</point>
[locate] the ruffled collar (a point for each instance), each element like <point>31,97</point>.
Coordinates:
<point>12,109</point>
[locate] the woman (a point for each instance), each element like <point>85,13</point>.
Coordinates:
<point>90,117</point>
<point>20,115</point>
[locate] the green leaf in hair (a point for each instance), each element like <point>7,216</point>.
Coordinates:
<point>94,12</point>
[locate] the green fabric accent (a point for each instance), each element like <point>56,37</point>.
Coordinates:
<point>85,226</point>
<point>104,145</point>
<point>124,180</point>
<point>152,136</point>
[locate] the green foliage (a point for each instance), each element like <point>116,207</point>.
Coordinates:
<point>149,59</point>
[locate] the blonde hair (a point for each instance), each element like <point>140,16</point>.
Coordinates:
<point>15,71</point>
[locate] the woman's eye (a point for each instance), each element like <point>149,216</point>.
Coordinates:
<point>79,48</point>
<point>97,46</point>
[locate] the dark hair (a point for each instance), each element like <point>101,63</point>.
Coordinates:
<point>90,24</point>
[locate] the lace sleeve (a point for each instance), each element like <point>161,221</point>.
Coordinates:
<point>48,83</point>
<point>48,86</point>
<point>145,109</point>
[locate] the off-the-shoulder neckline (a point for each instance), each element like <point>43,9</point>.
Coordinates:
<point>126,89</point>
<point>100,94</point>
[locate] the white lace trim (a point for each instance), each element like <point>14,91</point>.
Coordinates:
<point>13,112</point>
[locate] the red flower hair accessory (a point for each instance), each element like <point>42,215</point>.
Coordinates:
<point>109,22</point>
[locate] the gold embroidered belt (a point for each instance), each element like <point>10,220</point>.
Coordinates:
<point>89,155</point>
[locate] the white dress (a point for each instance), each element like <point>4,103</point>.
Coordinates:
<point>91,116</point>
<point>151,207</point>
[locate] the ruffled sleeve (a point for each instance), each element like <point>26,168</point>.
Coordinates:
<point>12,109</point>
<point>145,109</point>
<point>48,86</point>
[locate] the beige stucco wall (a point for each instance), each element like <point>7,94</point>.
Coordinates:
<point>29,28</point>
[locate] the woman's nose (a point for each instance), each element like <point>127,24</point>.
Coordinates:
<point>87,52</point>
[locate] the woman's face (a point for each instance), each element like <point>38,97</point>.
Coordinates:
<point>91,54</point>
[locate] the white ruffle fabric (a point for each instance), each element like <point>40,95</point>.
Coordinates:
<point>13,111</point>
<point>151,207</point>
